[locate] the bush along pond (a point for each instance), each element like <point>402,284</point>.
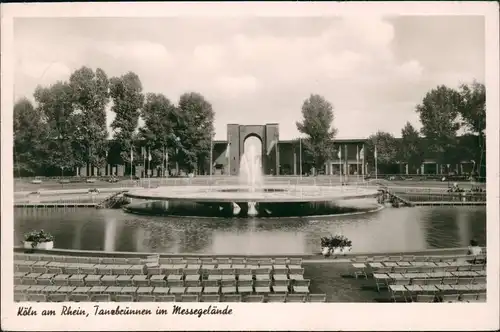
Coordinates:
<point>38,240</point>
<point>335,245</point>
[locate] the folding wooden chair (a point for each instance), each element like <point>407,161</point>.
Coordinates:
<point>231,298</point>
<point>124,298</point>
<point>189,298</point>
<point>468,297</point>
<point>37,298</point>
<point>228,287</point>
<point>426,298</point>
<point>211,286</point>
<point>358,269</point>
<point>228,274</point>
<point>295,298</point>
<point>214,274</point>
<point>166,298</point>
<point>20,297</point>
<point>262,286</point>
<point>281,286</point>
<point>210,298</point>
<point>479,280</point>
<point>57,297</point>
<point>245,287</point>
<point>244,274</point>
<point>381,280</point>
<point>276,298</point>
<point>316,298</point>
<point>450,298</point>
<point>397,291</point>
<point>254,298</point>
<point>280,261</point>
<point>146,298</point>
<point>301,286</point>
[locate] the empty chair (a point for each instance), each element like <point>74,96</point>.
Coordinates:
<point>262,286</point>
<point>228,286</point>
<point>191,271</point>
<point>77,280</point>
<point>464,281</point>
<point>316,298</point>
<point>157,280</point>
<point>214,274</point>
<point>20,297</point>
<point>419,281</point>
<point>189,298</point>
<point>296,298</point>
<point>57,297</point>
<point>280,261</point>
<point>468,297</point>
<point>245,286</point>
<point>93,280</point>
<point>450,281</point>
<point>100,298</point>
<point>237,261</point>
<point>211,286</point>
<point>206,260</point>
<point>378,259</point>
<point>231,298</point>
<point>450,298</point>
<point>399,269</point>
<point>134,261</point>
<point>301,286</point>
<point>223,260</point>
<point>72,269</point>
<point>359,259</point>
<point>124,280</point>
<point>145,298</point>
<point>479,280</point>
<point>140,281</point>
<point>61,280</point>
<point>296,270</point>
<point>37,298</point>
<point>192,260</point>
<point>273,298</point>
<point>228,274</point>
<point>266,262</point>
<point>254,298</point>
<point>433,281</point>
<point>124,298</point>
<point>109,280</point>
<point>164,298</point>
<point>79,298</point>
<point>295,261</point>
<point>244,274</point>
<point>393,258</point>
<point>44,279</point>
<point>210,298</point>
<point>427,298</point>
<point>407,258</point>
<point>481,297</point>
<point>281,286</point>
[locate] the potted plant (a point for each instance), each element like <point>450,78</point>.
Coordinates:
<point>338,244</point>
<point>38,240</point>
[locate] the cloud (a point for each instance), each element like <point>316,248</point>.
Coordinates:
<point>258,70</point>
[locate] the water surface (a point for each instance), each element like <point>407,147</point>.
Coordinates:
<point>391,229</point>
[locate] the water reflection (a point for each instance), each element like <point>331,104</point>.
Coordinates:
<point>390,229</point>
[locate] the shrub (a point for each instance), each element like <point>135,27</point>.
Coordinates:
<point>36,237</point>
<point>336,241</point>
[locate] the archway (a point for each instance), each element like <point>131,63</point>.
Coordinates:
<point>253,150</point>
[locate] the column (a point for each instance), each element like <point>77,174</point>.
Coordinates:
<point>437,168</point>
<point>406,168</point>
<point>461,168</point>
<point>422,169</point>
<point>294,163</point>
<point>120,170</point>
<point>277,159</point>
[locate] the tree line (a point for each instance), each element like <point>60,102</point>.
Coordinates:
<point>66,128</point>
<point>453,130</point>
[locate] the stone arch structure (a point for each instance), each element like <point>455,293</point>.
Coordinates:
<point>268,135</point>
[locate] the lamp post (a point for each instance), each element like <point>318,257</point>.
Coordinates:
<point>300,157</point>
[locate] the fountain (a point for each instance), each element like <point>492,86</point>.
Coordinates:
<point>251,175</point>
<point>253,197</point>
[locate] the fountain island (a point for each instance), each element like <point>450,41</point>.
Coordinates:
<point>251,197</point>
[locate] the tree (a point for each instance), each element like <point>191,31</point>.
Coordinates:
<point>30,132</point>
<point>473,113</point>
<point>56,105</point>
<point>317,123</point>
<point>410,148</point>
<point>194,129</point>
<point>439,115</point>
<point>90,97</point>
<point>160,117</point>
<point>128,100</point>
<point>387,149</point>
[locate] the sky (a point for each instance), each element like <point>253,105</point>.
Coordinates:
<point>373,70</point>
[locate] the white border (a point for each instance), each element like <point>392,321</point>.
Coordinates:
<point>342,316</point>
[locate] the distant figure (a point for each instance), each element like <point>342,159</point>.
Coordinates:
<point>475,250</point>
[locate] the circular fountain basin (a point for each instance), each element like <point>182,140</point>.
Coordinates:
<point>243,201</point>
<point>267,194</point>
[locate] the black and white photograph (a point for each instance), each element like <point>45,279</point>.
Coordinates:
<point>187,163</point>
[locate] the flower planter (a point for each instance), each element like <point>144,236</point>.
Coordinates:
<point>41,245</point>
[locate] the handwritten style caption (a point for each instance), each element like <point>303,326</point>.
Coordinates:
<point>107,310</point>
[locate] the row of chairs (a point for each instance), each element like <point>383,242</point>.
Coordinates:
<point>163,260</point>
<point>419,258</point>
<point>242,288</point>
<point>386,281</point>
<point>70,268</point>
<point>446,298</point>
<point>367,272</point>
<point>212,298</point>
<point>91,280</point>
